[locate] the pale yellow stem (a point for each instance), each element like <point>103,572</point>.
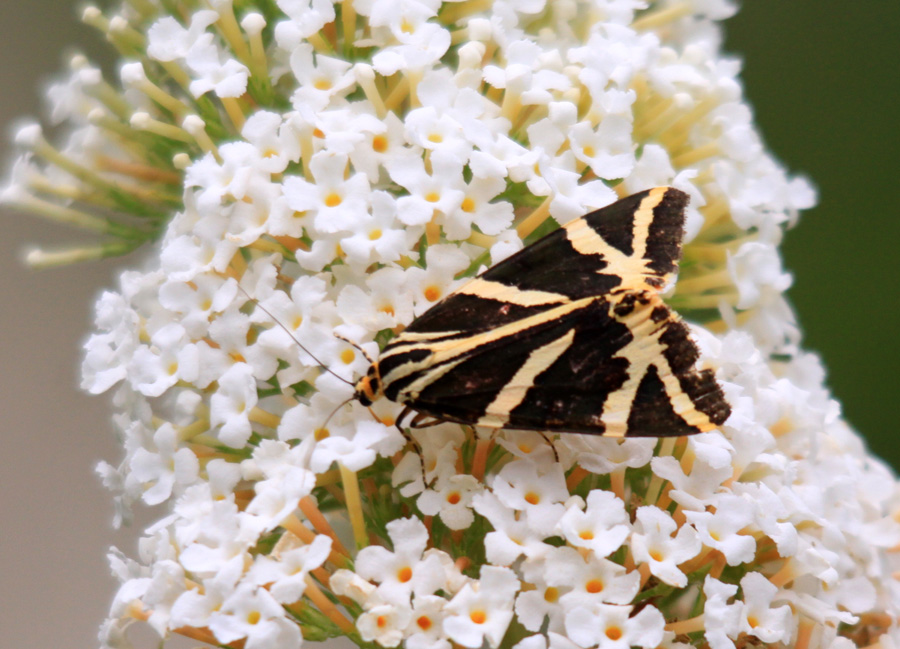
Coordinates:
<point>234,111</point>
<point>481,240</point>
<point>267,419</point>
<point>531,222</point>
<point>617,482</point>
<point>660,17</point>
<point>398,94</point>
<point>232,33</point>
<point>666,447</point>
<point>785,575</point>
<point>479,462</point>
<point>696,155</point>
<point>682,627</point>
<point>137,170</point>
<point>354,506</point>
<point>325,605</point>
<point>321,524</point>
<point>348,24</point>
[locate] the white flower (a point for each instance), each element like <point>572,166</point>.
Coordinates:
<point>334,201</point>
<point>228,77</point>
<point>758,617</point>
<point>253,614</point>
<point>230,406</point>
<point>602,527</point>
<point>522,486</point>
<point>403,571</point>
<point>167,467</point>
<point>721,530</point>
<point>483,614</point>
<point>384,623</point>
<point>610,627</point>
<point>451,499</point>
<point>653,544</point>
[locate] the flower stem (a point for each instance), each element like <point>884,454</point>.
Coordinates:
<point>354,506</point>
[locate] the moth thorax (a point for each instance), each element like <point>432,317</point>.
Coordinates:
<point>368,388</point>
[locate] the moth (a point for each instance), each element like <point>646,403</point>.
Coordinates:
<point>570,334</point>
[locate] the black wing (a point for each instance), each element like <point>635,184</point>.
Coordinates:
<point>633,244</point>
<point>621,365</point>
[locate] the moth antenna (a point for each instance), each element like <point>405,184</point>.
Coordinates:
<point>334,412</point>
<point>294,338</point>
<point>353,344</point>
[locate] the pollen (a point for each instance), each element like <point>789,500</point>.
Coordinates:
<point>348,356</point>
<point>424,622</point>
<point>586,535</point>
<point>613,633</point>
<point>589,151</point>
<point>551,594</point>
<point>375,235</point>
<point>432,197</point>
<point>407,27</point>
<point>594,586</point>
<point>333,199</point>
<point>468,205</point>
<point>173,368</point>
<point>432,293</point>
<point>206,305</point>
<point>453,497</point>
<point>387,308</point>
<point>322,84</point>
<point>381,621</point>
<point>404,574</point>
<point>752,622</point>
<point>437,138</point>
<point>478,617</point>
<point>296,322</point>
<point>321,433</point>
<point>253,617</point>
<point>656,555</point>
<point>532,498</point>
<point>379,144</point>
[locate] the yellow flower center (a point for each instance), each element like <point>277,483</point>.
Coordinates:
<point>379,144</point>
<point>594,586</point>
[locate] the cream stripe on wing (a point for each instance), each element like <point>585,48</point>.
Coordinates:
<point>513,393</point>
<point>587,241</point>
<point>411,392</point>
<point>446,350</point>
<point>643,218</point>
<point>502,293</point>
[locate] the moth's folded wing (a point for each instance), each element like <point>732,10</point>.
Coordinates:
<point>621,368</point>
<point>634,243</point>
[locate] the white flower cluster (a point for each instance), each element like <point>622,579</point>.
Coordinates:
<point>345,165</point>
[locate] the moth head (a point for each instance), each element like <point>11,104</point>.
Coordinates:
<point>369,388</point>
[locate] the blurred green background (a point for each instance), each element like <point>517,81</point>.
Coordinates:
<point>824,79</point>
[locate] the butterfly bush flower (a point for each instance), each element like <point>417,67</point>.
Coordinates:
<point>315,174</point>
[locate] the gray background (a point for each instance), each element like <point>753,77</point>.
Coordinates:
<point>823,76</point>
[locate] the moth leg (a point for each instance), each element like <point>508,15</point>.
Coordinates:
<point>421,420</point>
<point>552,445</point>
<point>409,438</point>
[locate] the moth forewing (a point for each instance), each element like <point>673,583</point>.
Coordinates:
<point>567,335</point>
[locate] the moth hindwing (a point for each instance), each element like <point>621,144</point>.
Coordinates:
<point>568,335</point>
